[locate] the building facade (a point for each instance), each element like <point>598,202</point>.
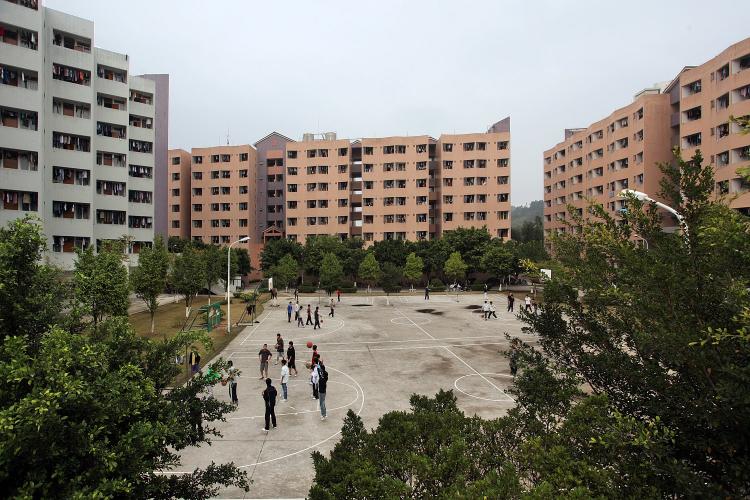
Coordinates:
<point>623,151</point>
<point>595,163</point>
<point>77,134</point>
<point>178,194</point>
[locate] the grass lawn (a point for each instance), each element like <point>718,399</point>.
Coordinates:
<point>170,318</point>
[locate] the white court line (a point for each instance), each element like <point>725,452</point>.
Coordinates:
<point>406,348</point>
<point>472,369</point>
<point>455,384</point>
<point>256,327</point>
<point>413,323</point>
<point>361,407</point>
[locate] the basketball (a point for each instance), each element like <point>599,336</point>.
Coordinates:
<point>309,344</point>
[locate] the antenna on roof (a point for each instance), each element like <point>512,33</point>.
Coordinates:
<point>227,137</point>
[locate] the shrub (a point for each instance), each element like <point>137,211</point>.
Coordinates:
<point>477,287</point>
<point>307,288</point>
<point>348,289</point>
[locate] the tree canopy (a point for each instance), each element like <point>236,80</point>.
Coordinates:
<point>149,277</point>
<point>331,272</point>
<point>87,411</point>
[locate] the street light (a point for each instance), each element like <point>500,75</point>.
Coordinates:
<point>644,197</point>
<point>229,277</point>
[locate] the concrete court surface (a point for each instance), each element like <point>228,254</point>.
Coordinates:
<point>378,351</point>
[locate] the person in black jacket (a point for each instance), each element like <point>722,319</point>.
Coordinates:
<point>269,397</point>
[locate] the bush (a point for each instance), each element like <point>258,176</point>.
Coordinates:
<point>308,288</point>
<point>348,289</point>
<point>477,287</point>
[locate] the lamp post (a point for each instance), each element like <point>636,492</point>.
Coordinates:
<point>644,197</point>
<point>229,277</point>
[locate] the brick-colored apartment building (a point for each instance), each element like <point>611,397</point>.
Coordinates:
<point>622,151</point>
<point>406,187</point>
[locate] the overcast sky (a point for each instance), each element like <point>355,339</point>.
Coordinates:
<point>376,68</point>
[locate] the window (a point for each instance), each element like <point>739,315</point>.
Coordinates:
<point>468,146</point>
<point>197,160</point>
<point>447,216</point>
<point>176,192</point>
<point>343,151</point>
<point>175,224</point>
<point>367,150</point>
<point>197,207</point>
<point>343,186</point>
<point>342,169</point>
<point>447,164</point>
<point>291,154</point>
<point>214,174</point>
<point>242,205</point>
<point>197,191</point>
<point>448,147</point>
<point>292,188</point>
<point>225,174</point>
<point>225,158</point>
<point>243,157</point>
<point>504,145</point>
<point>214,158</point>
<point>291,205</point>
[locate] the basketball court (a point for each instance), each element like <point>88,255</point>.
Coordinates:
<point>378,351</point>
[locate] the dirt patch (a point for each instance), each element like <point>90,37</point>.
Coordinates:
<point>473,306</point>
<point>430,311</point>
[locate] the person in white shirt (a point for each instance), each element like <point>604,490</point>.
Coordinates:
<point>485,310</point>
<point>284,379</point>
<point>492,312</point>
<point>231,375</point>
<point>528,303</point>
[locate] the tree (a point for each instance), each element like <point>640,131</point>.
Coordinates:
<point>275,249</point>
<point>316,248</point>
<point>175,244</point>
<point>530,230</point>
<point>101,281</point>
<point>455,267</point>
<point>390,278</point>
<point>244,266</point>
<point>393,251</point>
<point>351,255</point>
<point>331,273</point>
<point>285,272</point>
<point>369,269</point>
<point>469,242</point>
<point>414,268</point>
<point>87,414</point>
<point>433,253</point>
<point>32,294</point>
<point>187,275</point>
<point>214,267</point>
<point>635,334</point>
<point>149,278</point>
<point>498,260</point>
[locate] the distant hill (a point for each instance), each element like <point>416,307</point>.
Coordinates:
<point>524,213</point>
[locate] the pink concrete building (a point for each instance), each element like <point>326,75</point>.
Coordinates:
<point>622,151</point>
<point>178,196</point>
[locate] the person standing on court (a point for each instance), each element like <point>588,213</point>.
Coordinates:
<point>309,316</point>
<point>317,318</point>
<point>492,314</point>
<point>232,375</point>
<point>322,386</point>
<point>269,397</point>
<point>331,305</point>
<point>427,292</point>
<point>511,300</point>
<point>528,303</point>
<point>289,309</point>
<point>338,295</point>
<point>290,357</point>
<point>284,380</point>
<point>314,376</point>
<point>296,310</point>
<point>300,321</point>
<point>279,349</point>
<point>485,310</point>
<point>264,355</point>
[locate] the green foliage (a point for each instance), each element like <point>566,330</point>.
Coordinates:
<point>187,275</point>
<point>390,278</point>
<point>149,278</point>
<point>175,244</point>
<point>88,414</point>
<point>414,268</point>
<point>32,294</point>
<point>499,259</point>
<point>101,282</point>
<point>274,250</point>
<point>455,267</point>
<point>243,261</point>
<point>331,272</point>
<point>316,248</point>
<point>469,242</point>
<point>369,269</point>
<point>526,213</point>
<point>436,284</point>
<point>286,271</point>
<point>214,267</point>
<point>433,253</point>
<point>393,251</point>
